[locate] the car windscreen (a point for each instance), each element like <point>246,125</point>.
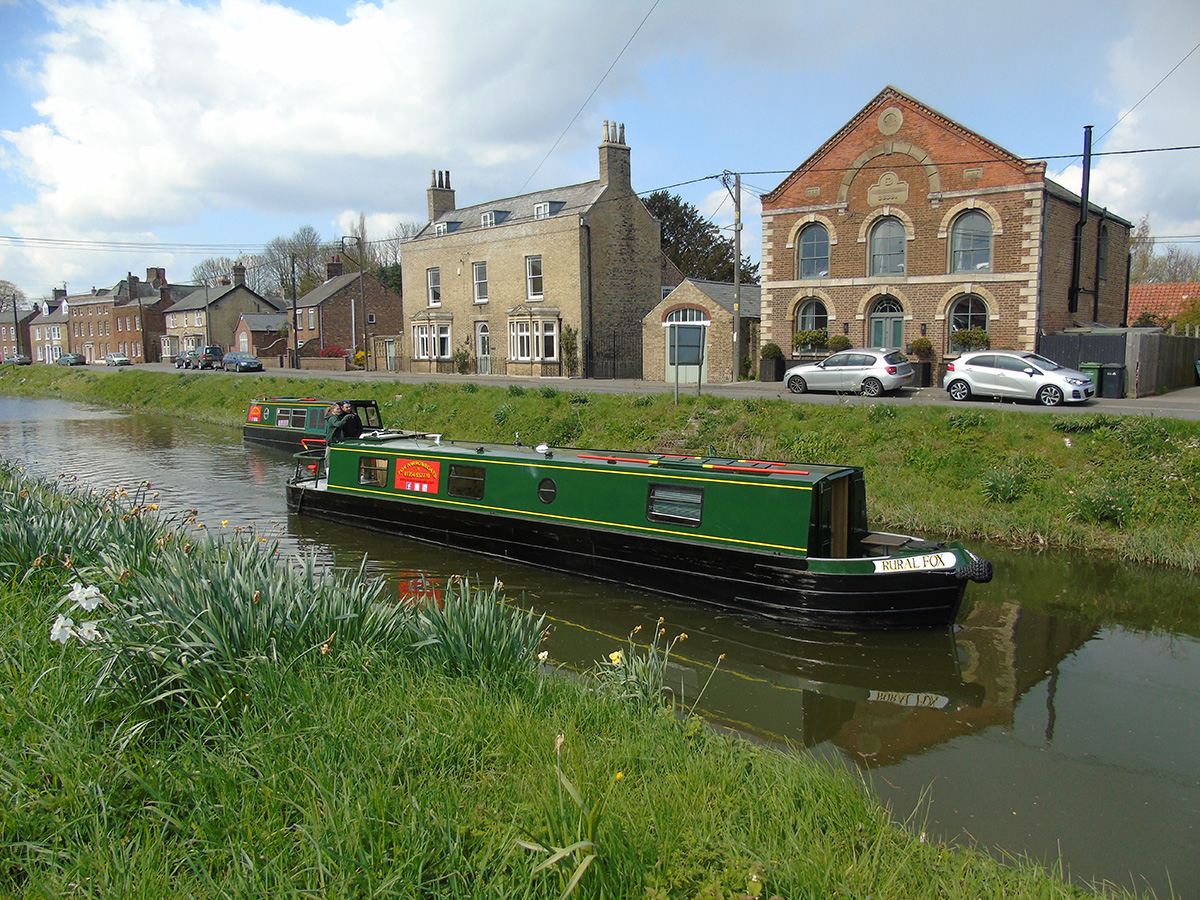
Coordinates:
<point>1047,364</point>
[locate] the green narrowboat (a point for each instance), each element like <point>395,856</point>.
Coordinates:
<point>298,423</point>
<point>781,540</point>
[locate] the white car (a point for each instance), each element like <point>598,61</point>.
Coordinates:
<point>1016,375</point>
<point>872,371</point>
<point>117,359</point>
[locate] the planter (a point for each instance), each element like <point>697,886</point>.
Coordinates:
<point>924,370</point>
<point>770,370</point>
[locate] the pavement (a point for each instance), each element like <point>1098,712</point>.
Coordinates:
<point>1183,403</point>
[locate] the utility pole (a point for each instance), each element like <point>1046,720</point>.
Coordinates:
<point>736,193</point>
<point>362,298</point>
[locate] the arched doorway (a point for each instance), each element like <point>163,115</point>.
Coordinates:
<point>483,349</point>
<point>686,349</point>
<point>885,326</point>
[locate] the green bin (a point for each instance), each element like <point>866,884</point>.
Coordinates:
<point>1093,371</point>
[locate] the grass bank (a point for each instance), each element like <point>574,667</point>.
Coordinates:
<point>1125,486</point>
<point>222,725</point>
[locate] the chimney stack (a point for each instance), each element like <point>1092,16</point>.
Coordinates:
<point>239,274</point>
<point>614,158</point>
<point>441,195</point>
<point>333,268</point>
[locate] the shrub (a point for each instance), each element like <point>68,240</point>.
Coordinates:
<point>332,351</point>
<point>922,346</point>
<point>815,338</point>
<point>967,339</point>
<point>772,351</point>
<point>839,342</point>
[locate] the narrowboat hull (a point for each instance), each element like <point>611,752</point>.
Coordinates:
<point>921,589</point>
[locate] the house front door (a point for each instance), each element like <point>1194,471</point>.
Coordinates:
<point>483,349</point>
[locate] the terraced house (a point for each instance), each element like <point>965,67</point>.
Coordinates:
<point>549,283</point>
<point>906,224</point>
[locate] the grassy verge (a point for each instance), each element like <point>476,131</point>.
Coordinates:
<point>207,733</point>
<point>1124,486</point>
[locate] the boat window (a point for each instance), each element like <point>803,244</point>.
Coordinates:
<point>547,490</point>
<point>283,418</point>
<point>674,504</point>
<point>373,470</point>
<point>466,481</point>
<point>370,416</point>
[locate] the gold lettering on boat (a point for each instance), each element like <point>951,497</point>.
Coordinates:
<point>915,563</point>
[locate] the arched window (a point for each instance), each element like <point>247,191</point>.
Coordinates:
<point>687,314</point>
<point>811,315</point>
<point>887,247</point>
<point>971,243</point>
<point>969,313</point>
<point>812,254</point>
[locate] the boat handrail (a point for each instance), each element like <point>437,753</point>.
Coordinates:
<point>310,466</point>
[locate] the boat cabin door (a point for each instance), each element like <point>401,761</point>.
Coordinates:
<point>832,520</point>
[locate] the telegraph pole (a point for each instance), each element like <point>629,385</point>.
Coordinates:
<point>736,193</point>
<point>295,320</point>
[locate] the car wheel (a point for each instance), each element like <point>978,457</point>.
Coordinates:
<point>796,385</point>
<point>1050,396</point>
<point>959,390</point>
<point>872,387</point>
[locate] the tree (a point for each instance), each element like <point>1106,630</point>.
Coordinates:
<point>9,293</point>
<point>694,243</point>
<point>1174,265</point>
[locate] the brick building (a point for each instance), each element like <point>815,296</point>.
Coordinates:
<point>48,330</point>
<point>906,224</point>
<point>1158,304</point>
<point>347,312</point>
<point>697,318</point>
<point>209,315</point>
<point>550,283</point>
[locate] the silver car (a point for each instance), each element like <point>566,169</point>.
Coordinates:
<point>872,371</point>
<point>1016,375</point>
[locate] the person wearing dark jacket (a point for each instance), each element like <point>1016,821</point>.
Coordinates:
<point>352,425</point>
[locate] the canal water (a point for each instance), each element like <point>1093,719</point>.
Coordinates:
<point>1059,720</point>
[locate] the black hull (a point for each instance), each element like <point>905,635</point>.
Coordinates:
<point>775,586</point>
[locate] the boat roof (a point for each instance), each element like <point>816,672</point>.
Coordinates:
<point>429,444</point>
<point>314,400</point>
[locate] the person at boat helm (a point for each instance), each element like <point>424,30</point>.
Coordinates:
<point>352,425</point>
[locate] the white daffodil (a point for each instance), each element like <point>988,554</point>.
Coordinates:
<point>87,632</point>
<point>86,598</point>
<point>61,629</point>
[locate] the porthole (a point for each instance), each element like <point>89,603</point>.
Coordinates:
<point>547,490</point>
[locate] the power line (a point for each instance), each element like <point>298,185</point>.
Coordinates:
<point>1151,91</point>
<point>589,96</point>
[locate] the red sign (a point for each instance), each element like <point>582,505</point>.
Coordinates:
<point>420,475</point>
<point>255,414</point>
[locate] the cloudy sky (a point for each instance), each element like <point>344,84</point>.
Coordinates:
<point>139,133</point>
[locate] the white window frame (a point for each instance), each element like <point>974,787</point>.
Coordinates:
<point>433,285</point>
<point>440,228</point>
<point>520,341</point>
<point>312,318</point>
<point>443,344</point>
<point>481,296</point>
<point>487,219</point>
<point>534,284</point>
<point>421,341</point>
<point>541,210</point>
<point>545,330</point>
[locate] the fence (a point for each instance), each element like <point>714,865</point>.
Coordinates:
<point>1154,362</point>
